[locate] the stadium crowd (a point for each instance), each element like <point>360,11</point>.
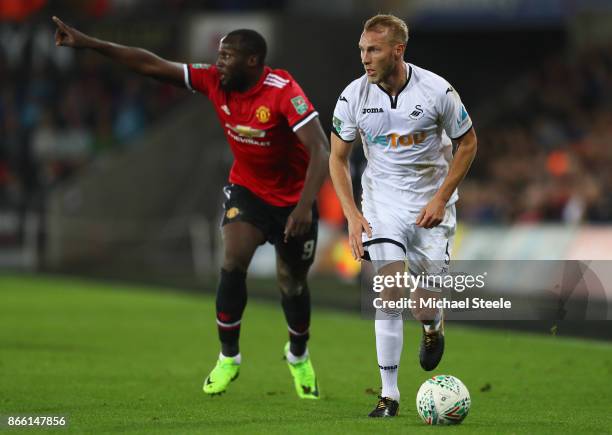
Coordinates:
<point>54,122</point>
<point>543,151</point>
<point>545,155</point>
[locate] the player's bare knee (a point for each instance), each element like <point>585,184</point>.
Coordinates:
<point>391,302</point>
<point>290,286</point>
<point>291,282</point>
<point>392,294</point>
<point>235,262</point>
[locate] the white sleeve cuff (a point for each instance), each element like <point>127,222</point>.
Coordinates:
<point>305,121</point>
<point>186,77</point>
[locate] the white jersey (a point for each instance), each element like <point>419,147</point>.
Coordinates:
<point>406,138</point>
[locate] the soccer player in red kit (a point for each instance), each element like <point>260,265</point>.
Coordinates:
<point>280,162</point>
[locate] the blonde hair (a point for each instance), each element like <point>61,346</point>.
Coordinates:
<point>398,30</point>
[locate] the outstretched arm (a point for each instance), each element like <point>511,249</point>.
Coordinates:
<point>137,59</point>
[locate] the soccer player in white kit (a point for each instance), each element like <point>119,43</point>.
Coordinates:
<point>407,118</point>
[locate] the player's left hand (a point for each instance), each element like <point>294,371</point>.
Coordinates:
<point>298,222</point>
<point>432,214</point>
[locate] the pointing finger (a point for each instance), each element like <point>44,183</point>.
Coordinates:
<point>57,21</point>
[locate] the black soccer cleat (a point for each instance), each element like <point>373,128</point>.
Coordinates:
<point>432,348</point>
<point>385,407</point>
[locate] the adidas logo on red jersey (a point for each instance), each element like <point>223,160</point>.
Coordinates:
<point>276,81</point>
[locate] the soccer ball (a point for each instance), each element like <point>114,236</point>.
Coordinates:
<point>443,399</point>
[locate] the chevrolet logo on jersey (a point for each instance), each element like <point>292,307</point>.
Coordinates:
<point>246,131</point>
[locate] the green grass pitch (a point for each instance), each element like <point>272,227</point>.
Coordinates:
<point>132,359</point>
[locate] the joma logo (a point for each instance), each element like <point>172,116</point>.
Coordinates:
<point>373,110</point>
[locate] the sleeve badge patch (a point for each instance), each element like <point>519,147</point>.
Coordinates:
<point>337,124</point>
<point>299,104</point>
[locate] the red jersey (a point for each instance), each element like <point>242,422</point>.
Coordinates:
<point>260,126</point>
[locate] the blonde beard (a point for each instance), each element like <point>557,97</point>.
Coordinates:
<point>384,75</point>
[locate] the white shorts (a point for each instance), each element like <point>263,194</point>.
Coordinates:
<point>396,237</point>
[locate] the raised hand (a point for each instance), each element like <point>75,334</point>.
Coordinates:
<point>66,36</point>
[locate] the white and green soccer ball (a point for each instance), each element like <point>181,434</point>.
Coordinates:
<point>443,399</point>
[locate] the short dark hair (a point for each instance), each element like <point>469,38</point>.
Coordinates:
<point>251,43</point>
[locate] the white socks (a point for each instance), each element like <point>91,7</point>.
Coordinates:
<point>237,358</point>
<point>389,327</point>
<point>290,357</point>
<point>435,324</point>
<point>296,359</point>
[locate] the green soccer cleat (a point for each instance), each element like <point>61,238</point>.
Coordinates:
<point>304,377</point>
<point>226,371</point>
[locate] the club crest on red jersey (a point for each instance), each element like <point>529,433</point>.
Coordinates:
<point>263,114</point>
<point>232,213</point>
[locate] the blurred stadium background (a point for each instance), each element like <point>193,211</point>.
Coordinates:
<point>117,179</point>
<point>105,174</point>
